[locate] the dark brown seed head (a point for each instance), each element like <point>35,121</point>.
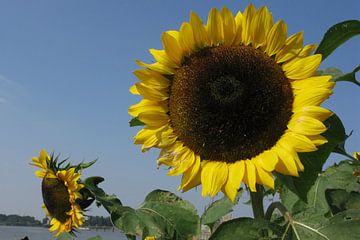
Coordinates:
<point>56,198</point>
<point>230,103</point>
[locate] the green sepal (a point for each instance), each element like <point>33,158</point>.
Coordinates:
<point>136,122</point>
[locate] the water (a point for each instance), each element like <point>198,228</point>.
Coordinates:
<point>40,233</point>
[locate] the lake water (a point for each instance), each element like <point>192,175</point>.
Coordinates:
<point>40,233</point>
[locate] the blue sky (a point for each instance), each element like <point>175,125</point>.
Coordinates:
<point>65,70</point>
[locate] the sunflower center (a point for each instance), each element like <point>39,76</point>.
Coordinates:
<point>226,89</point>
<point>56,198</point>
<point>230,103</point>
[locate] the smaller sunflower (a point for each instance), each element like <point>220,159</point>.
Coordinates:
<point>61,193</point>
<point>357,155</point>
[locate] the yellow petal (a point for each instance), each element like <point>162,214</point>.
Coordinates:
<point>312,97</point>
<point>200,35</point>
<point>248,16</point>
<point>40,173</point>
<point>152,78</point>
<point>167,137</point>
<point>172,47</point>
<point>239,23</point>
<point>265,178</point>
<point>236,175</point>
<point>306,125</point>
<point>195,180</point>
<point>299,142</point>
<point>318,140</point>
<point>190,173</point>
<point>146,105</point>
<point>157,67</point>
<point>260,26</point>
<point>267,160</point>
<point>186,160</point>
<point>151,93</point>
<point>286,164</point>
<point>313,82</point>
<point>213,177</point>
<point>229,25</point>
<point>307,50</point>
<point>300,68</point>
<point>214,27</point>
<point>149,143</point>
<point>316,112</point>
<point>276,38</point>
<point>292,48</point>
<point>186,38</point>
<point>134,90</point>
<point>162,57</point>
<point>250,175</point>
<point>154,119</point>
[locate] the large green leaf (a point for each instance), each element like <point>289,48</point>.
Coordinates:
<point>313,163</point>
<point>180,214</point>
<point>336,177</point>
<point>343,226</point>
<point>340,200</point>
<point>217,210</point>
<point>162,214</point>
<point>247,229</point>
<point>337,35</point>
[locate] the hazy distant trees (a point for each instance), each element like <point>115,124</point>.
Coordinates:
<point>16,220</point>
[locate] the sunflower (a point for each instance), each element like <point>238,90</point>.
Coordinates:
<point>231,101</point>
<point>357,155</point>
<point>60,191</point>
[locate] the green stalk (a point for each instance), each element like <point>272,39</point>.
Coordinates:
<point>257,202</point>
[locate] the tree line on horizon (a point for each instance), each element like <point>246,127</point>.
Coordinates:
<point>17,220</point>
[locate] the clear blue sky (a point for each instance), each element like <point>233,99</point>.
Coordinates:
<point>65,70</point>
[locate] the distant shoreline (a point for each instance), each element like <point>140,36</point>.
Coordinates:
<point>91,222</point>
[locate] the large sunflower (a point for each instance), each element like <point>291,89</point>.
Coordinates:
<point>60,190</point>
<point>231,101</point>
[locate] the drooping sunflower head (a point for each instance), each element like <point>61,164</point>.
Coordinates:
<point>231,101</point>
<point>61,193</point>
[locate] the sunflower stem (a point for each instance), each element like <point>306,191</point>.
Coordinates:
<point>257,202</point>
<point>280,207</point>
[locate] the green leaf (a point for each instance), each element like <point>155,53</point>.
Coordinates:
<point>180,214</point>
<point>336,36</point>
<point>136,122</point>
<point>336,177</point>
<point>313,163</point>
<point>340,200</point>
<point>162,214</point>
<point>247,229</point>
<point>349,77</point>
<point>343,226</point>
<point>110,202</point>
<point>217,210</point>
